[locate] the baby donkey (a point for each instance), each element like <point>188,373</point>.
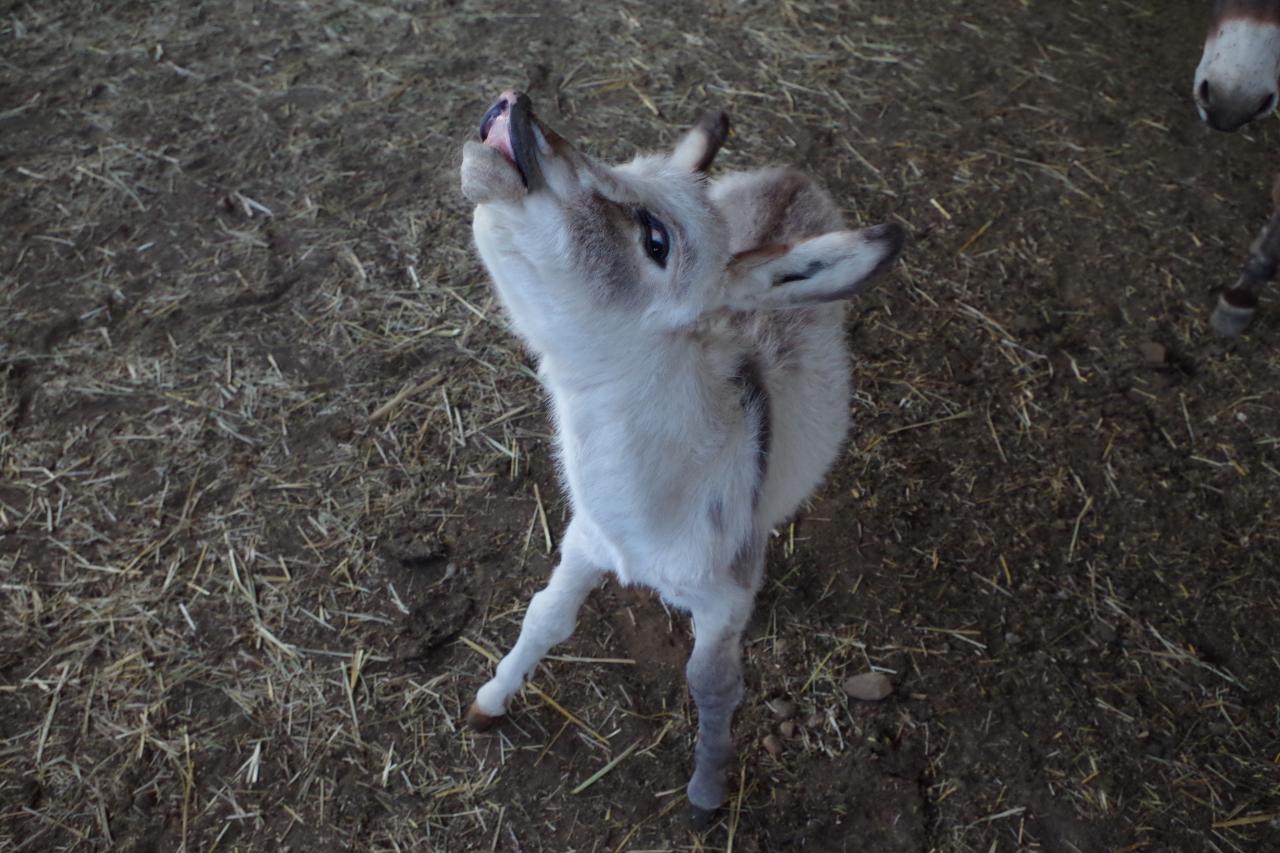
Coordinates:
<point>691,337</point>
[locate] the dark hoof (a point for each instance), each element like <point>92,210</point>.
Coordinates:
<point>701,819</point>
<point>479,721</point>
<point>1233,314</point>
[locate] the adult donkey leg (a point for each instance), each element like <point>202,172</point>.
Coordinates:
<point>714,673</point>
<point>549,619</point>
<point>1237,304</point>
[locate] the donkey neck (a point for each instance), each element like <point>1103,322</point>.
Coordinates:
<point>663,385</point>
<point>642,444</point>
<point>619,360</point>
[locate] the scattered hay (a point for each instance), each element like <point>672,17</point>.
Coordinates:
<point>275,482</point>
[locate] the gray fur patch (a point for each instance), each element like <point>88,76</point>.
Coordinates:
<point>715,514</point>
<point>747,568</point>
<point>602,235</point>
<point>809,272</point>
<point>792,207</point>
<point>755,404</point>
<point>686,257</point>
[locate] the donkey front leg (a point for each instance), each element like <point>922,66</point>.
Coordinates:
<point>549,619</point>
<point>715,683</point>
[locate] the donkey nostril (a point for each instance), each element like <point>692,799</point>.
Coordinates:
<point>1204,93</point>
<point>1265,106</point>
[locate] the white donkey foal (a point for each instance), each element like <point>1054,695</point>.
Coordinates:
<point>1236,81</point>
<point>691,338</point>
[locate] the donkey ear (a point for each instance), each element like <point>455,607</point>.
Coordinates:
<point>834,266</point>
<point>697,148</point>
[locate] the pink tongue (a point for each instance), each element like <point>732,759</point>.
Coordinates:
<point>500,135</point>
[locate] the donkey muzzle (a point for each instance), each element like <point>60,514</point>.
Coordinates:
<point>510,127</point>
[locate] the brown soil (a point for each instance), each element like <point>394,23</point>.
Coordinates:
<point>274,477</point>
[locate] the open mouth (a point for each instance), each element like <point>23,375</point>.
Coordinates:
<point>510,126</point>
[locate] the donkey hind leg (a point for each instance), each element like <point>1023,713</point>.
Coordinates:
<point>549,619</point>
<point>714,673</point>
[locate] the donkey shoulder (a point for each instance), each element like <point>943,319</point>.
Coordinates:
<point>774,206</point>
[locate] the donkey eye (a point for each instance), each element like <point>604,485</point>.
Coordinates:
<point>653,235</point>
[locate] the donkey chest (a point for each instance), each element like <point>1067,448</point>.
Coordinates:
<point>618,474</point>
<point>658,502</point>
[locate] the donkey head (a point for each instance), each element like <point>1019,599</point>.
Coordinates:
<point>580,250</point>
<point>1236,81</point>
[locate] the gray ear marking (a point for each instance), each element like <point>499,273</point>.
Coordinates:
<point>810,271</point>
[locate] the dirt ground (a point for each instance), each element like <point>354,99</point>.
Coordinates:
<point>275,483</point>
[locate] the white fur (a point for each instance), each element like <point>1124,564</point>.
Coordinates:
<point>648,431</point>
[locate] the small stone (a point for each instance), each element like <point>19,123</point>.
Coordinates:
<point>1152,352</point>
<point>772,744</point>
<point>781,708</point>
<point>815,721</point>
<point>869,686</point>
<point>787,728</point>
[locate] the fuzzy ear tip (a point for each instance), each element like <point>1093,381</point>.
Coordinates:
<point>704,140</point>
<point>891,235</point>
<point>716,124</point>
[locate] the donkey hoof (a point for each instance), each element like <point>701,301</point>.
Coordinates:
<point>1233,314</point>
<point>479,721</point>
<point>1229,319</point>
<point>701,819</point>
